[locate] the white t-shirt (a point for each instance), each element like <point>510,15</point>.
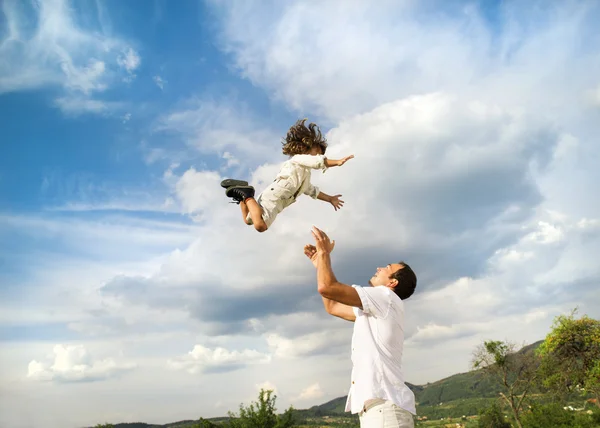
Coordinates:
<point>377,345</point>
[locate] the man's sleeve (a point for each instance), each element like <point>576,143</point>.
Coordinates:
<point>310,161</point>
<point>375,301</point>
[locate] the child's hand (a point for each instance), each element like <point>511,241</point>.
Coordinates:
<point>336,202</point>
<point>346,159</point>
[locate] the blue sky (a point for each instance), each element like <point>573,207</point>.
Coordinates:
<point>124,267</point>
<point>55,161</point>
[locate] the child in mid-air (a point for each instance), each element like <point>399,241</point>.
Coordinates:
<point>306,148</point>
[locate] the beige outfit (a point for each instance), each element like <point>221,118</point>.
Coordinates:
<point>292,180</point>
<point>385,414</point>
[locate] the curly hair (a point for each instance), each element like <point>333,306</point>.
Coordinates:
<point>300,139</point>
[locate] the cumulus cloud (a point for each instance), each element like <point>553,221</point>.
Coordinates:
<point>410,50</point>
<point>73,363</point>
<point>476,157</point>
<point>466,199</point>
<point>434,332</point>
<point>199,191</point>
<point>311,392</point>
<point>306,345</point>
<point>446,176</point>
<point>209,126</point>
<point>206,360</point>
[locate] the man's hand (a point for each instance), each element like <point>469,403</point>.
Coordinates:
<point>336,202</point>
<point>310,251</point>
<point>324,245</point>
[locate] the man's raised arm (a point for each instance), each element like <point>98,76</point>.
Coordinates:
<point>331,306</point>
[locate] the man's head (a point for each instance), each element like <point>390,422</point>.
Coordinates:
<point>302,139</point>
<point>397,276</point>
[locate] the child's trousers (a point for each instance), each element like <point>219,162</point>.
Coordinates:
<point>274,199</point>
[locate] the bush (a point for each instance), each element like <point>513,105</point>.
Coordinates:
<point>554,415</point>
<point>262,414</point>
<point>492,417</point>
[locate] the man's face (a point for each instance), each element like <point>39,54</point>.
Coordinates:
<point>382,275</point>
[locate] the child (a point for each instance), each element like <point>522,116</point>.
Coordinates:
<point>306,148</point>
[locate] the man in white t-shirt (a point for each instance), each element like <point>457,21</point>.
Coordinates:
<point>378,392</point>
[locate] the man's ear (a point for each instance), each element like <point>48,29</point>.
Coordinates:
<point>393,282</point>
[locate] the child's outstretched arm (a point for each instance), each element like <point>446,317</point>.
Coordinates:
<point>314,192</point>
<point>333,200</point>
<point>332,162</point>
<point>319,161</point>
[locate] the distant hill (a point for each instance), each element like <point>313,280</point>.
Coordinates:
<point>459,386</point>
<point>468,391</point>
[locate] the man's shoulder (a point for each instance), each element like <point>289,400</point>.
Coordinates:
<point>379,293</point>
<point>375,290</point>
<point>384,292</point>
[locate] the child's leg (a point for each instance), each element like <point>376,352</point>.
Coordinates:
<point>251,206</point>
<point>245,212</point>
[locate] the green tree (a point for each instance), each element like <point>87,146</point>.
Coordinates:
<point>570,356</point>
<point>262,414</point>
<point>104,426</point>
<point>203,423</point>
<point>555,416</point>
<point>492,417</point>
<point>514,371</point>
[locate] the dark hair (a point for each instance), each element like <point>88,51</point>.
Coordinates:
<point>300,139</point>
<point>407,281</point>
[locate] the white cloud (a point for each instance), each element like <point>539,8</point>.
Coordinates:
<point>73,363</point>
<point>267,386</point>
<point>84,79</point>
<point>226,126</point>
<point>205,360</point>
<point>231,160</point>
<point>160,82</point>
<point>311,392</point>
<point>306,345</point>
<point>199,191</point>
<point>434,332</point>
<point>78,105</point>
<point>546,233</point>
<point>108,234</point>
<point>129,60</point>
<point>476,162</point>
<point>410,50</point>
<point>59,51</point>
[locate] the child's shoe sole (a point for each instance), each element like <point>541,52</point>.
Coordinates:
<point>229,182</point>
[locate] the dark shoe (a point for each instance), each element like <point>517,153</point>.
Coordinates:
<point>240,193</point>
<point>229,182</point>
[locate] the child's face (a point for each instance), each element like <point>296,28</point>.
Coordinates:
<point>315,150</point>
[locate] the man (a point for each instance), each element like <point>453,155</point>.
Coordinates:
<point>377,391</point>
